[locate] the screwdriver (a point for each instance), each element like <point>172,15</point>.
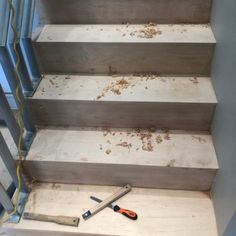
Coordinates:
<point>130,214</point>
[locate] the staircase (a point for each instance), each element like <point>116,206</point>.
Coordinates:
<point>126,97</point>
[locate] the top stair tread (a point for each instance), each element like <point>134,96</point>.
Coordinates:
<point>151,33</point>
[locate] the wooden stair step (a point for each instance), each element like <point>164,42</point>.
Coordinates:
<point>108,49</point>
<point>143,158</point>
<point>117,12</point>
<point>124,101</point>
<point>160,212</point>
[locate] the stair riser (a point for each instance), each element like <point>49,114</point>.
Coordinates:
<point>123,11</point>
<point>108,174</point>
<point>111,58</point>
<point>185,116</point>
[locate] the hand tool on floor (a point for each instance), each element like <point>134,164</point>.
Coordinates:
<point>130,214</point>
<point>100,206</point>
<point>61,220</point>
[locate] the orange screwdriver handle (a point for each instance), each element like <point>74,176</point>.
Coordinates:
<point>130,214</point>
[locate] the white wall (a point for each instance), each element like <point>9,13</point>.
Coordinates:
<point>224,125</point>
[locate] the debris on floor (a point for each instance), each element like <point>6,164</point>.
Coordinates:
<point>149,139</point>
<point>149,31</point>
<point>116,87</point>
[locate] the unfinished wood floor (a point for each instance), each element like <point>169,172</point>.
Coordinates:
<point>179,160</point>
<point>160,212</point>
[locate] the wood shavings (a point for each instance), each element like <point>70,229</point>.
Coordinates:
<point>149,31</point>
<point>116,87</point>
<point>152,24</point>
<point>152,129</point>
<point>167,135</point>
<point>52,83</point>
<point>106,132</point>
<point>108,151</point>
<point>159,139</point>
<point>125,145</point>
<point>146,141</point>
<point>100,96</point>
<point>147,146</point>
<point>194,80</point>
<point>138,130</point>
<point>147,76</point>
<point>171,163</point>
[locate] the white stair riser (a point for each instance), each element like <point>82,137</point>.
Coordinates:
<point>123,11</point>
<point>183,116</point>
<point>110,174</point>
<point>111,58</point>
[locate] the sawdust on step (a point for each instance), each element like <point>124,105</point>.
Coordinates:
<point>194,80</point>
<point>125,145</point>
<point>119,85</point>
<point>148,31</point>
<point>149,139</point>
<point>116,87</point>
<point>108,151</point>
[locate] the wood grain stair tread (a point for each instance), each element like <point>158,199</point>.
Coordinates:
<point>99,49</point>
<point>172,160</point>
<point>142,88</point>
<point>143,33</point>
<point>127,147</point>
<point>160,212</point>
<point>124,101</point>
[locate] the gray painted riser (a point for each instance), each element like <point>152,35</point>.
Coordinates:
<point>110,58</point>
<point>111,174</point>
<point>185,116</point>
<point>123,11</point>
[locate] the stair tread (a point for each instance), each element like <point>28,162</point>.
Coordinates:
<point>125,147</point>
<point>161,212</point>
<point>176,33</point>
<point>146,88</point>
